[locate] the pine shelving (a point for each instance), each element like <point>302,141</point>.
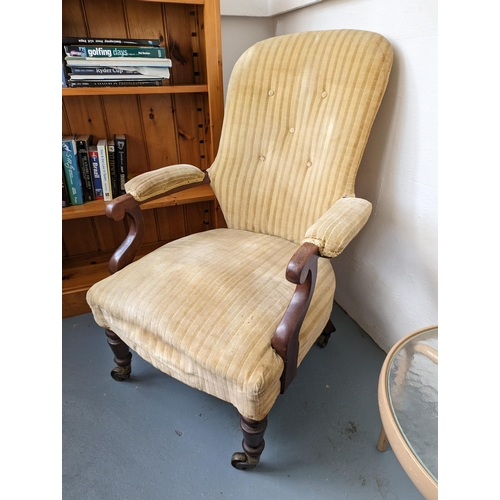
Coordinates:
<point>179,122</point>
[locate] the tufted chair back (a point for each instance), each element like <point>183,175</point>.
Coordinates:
<point>298,113</point>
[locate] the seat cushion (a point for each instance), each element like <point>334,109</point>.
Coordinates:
<point>203,309</point>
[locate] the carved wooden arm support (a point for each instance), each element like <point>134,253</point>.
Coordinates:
<point>147,187</point>
<point>302,270</point>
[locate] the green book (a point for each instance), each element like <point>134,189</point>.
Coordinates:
<point>107,51</point>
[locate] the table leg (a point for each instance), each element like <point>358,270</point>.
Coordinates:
<point>382,441</point>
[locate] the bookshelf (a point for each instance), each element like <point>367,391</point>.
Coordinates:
<point>179,122</point>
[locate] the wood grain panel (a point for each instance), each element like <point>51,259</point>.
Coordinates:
<point>123,116</point>
<point>85,116</point>
<point>198,217</point>
<point>179,43</point>
<point>186,115</point>
<point>151,230</point>
<point>110,233</point>
<point>171,223</point>
<point>145,20</point>
<point>105,19</point>
<point>79,236</point>
<point>160,132</point>
<point>73,21</point>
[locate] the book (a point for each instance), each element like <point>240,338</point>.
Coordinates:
<point>82,149</point>
<point>111,51</point>
<point>77,40</point>
<point>116,83</point>
<point>71,170</point>
<point>125,76</point>
<point>66,202</point>
<point>121,161</point>
<point>64,84</point>
<point>96,173</point>
<point>113,174</point>
<point>102,150</point>
<point>118,62</point>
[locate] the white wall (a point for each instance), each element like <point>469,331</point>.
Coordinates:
<point>387,277</point>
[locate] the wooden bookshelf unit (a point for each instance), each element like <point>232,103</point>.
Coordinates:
<point>179,122</point>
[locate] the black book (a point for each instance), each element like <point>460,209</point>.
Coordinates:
<point>83,142</point>
<point>75,40</point>
<point>121,161</point>
<point>116,83</point>
<point>113,174</point>
<point>66,202</point>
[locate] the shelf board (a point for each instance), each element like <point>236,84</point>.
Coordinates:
<point>95,208</point>
<point>164,89</point>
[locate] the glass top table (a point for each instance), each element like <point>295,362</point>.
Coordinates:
<point>408,402</point>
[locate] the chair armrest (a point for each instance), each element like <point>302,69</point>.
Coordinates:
<point>301,270</point>
<point>144,187</point>
<point>163,180</point>
<point>332,232</point>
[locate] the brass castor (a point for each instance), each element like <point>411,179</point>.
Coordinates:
<point>121,373</point>
<point>323,339</point>
<point>242,461</point>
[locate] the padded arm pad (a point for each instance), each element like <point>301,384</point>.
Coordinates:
<point>155,183</point>
<point>337,226</point>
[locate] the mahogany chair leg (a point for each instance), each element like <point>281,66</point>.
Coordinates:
<point>325,335</point>
<point>253,443</point>
<point>122,357</point>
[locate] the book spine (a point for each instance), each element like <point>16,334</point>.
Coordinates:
<point>72,172</point>
<point>66,202</point>
<point>116,83</point>
<point>121,161</point>
<point>82,146</point>
<point>106,51</point>
<point>96,173</point>
<point>104,169</point>
<point>76,40</point>
<point>102,70</point>
<point>113,174</point>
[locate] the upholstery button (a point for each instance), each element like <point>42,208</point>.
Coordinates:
<point>292,130</point>
<point>309,163</point>
<point>324,94</point>
<point>270,93</point>
<point>262,158</point>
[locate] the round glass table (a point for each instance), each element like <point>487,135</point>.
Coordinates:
<point>408,403</point>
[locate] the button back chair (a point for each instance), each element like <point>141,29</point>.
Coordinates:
<point>233,311</point>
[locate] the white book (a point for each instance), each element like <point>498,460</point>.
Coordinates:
<point>102,151</point>
<point>118,62</point>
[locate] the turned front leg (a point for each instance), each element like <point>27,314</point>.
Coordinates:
<point>122,358</point>
<point>253,443</point>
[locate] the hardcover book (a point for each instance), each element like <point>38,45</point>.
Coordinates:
<point>107,51</point>
<point>121,161</point>
<point>96,172</point>
<point>119,62</point>
<point>66,202</point>
<point>113,174</point>
<point>77,40</point>
<point>102,150</point>
<point>71,170</point>
<point>83,142</point>
<point>116,83</point>
<point>93,72</point>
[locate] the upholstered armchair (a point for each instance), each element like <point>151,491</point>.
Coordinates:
<point>233,311</point>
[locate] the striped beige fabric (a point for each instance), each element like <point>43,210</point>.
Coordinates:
<point>338,226</point>
<point>154,183</point>
<point>299,109</point>
<point>207,310</point>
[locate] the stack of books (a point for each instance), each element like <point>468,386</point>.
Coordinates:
<point>93,170</point>
<point>117,62</point>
